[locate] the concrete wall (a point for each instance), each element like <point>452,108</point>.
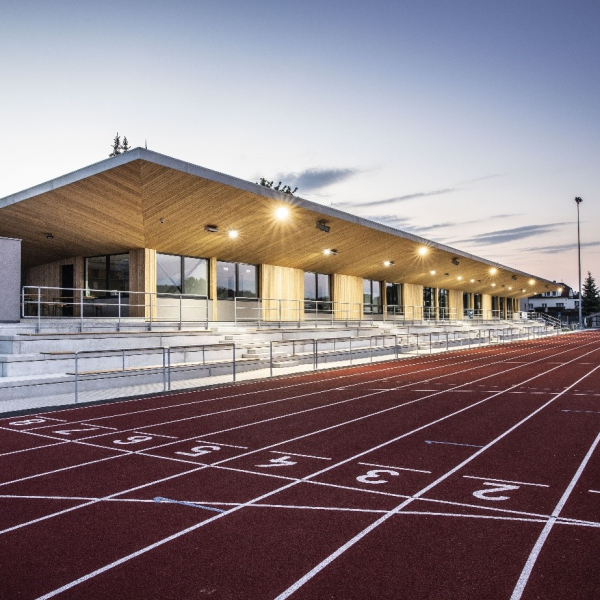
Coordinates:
<point>10,279</point>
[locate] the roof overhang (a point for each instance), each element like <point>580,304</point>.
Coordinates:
<point>142,199</point>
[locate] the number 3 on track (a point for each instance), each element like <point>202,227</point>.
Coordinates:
<point>494,489</point>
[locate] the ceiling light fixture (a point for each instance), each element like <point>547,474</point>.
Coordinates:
<point>459,278</point>
<point>211,228</point>
<point>282,213</point>
<point>493,270</point>
<point>472,280</point>
<point>330,251</point>
<point>322,226</point>
<point>233,233</point>
<point>49,236</point>
<point>423,250</point>
<point>432,272</point>
<point>455,261</point>
<point>388,263</point>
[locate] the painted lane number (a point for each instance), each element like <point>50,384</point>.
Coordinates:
<point>28,422</point>
<point>283,461</point>
<point>200,450</point>
<point>134,439</point>
<point>374,477</point>
<point>494,488</point>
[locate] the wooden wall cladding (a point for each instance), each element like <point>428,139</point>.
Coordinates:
<point>347,296</point>
<point>285,284</point>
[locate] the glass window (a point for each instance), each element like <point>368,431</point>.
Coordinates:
<point>466,300</point>
<point>181,275</point>
<point>323,292</point>
<point>247,284</point>
<point>195,276</point>
<point>371,296</point>
<point>95,273</point>
<point>310,286</point>
<point>477,302</point>
<point>428,297</point>
<point>168,274</point>
<point>236,279</point>
<point>108,273</point>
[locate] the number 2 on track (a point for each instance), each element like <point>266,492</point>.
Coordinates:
<point>494,489</point>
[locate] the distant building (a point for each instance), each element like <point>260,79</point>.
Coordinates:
<point>562,304</point>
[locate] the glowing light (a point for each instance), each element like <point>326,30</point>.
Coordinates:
<point>282,213</point>
<point>432,272</point>
<point>510,287</point>
<point>423,250</point>
<point>459,278</point>
<point>472,280</point>
<point>531,281</point>
<point>493,270</point>
<point>233,233</point>
<point>493,285</point>
<point>560,290</point>
<point>387,263</point>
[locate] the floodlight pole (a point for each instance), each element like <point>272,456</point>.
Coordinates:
<point>578,201</point>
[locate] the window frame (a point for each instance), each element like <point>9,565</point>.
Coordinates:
<point>236,291</point>
<point>107,292</point>
<point>182,291</point>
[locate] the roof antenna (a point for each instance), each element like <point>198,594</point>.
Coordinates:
<point>146,144</point>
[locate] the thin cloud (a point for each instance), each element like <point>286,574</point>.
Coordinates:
<point>315,179</point>
<point>397,198</point>
<point>510,235</point>
<point>463,223</point>
<point>468,181</point>
<point>562,247</point>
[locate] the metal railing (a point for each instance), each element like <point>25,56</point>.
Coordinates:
<point>279,311</point>
<point>39,302</point>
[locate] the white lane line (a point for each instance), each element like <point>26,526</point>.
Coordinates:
<point>303,455</point>
<point>85,464</point>
<point>505,481</point>
<point>324,563</point>
<point>203,441</point>
<point>94,501</point>
<point>526,573</point>
<point>455,443</point>
<point>582,411</point>
<point>58,443</point>
<point>594,491</point>
<point>395,468</point>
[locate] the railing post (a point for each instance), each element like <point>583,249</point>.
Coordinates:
<point>123,360</point>
<point>81,310</point>
<point>279,313</point>
<point>430,342</point>
<point>396,345</point>
<point>417,342</point>
<point>119,300</point>
<point>39,310</point>
<point>76,377</point>
<point>233,366</point>
<point>150,307</point>
<point>315,362</point>
<point>371,348</point>
<point>169,366</point>
<point>164,369</point>
<point>446,341</point>
<point>271,358</point>
<point>180,311</point>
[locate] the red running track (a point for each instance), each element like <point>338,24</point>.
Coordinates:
<point>467,475</point>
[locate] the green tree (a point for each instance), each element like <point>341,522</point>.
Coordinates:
<point>590,296</point>
<point>286,189</point>
<point>125,145</point>
<point>116,147</point>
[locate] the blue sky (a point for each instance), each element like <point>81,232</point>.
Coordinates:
<point>471,123</point>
